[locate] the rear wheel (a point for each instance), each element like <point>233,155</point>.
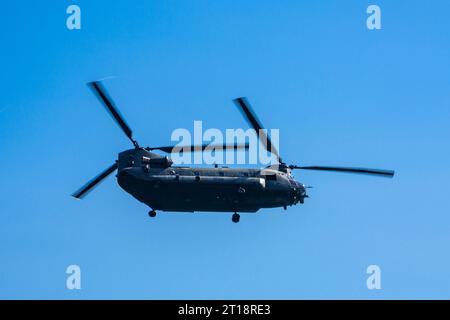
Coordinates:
<point>152,214</point>
<point>236,218</point>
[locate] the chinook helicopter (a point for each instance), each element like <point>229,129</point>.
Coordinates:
<point>154,180</point>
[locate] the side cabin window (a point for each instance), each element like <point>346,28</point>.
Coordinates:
<point>271,177</point>
<point>221,173</point>
<point>245,174</point>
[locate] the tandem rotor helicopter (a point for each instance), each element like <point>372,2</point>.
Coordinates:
<point>155,181</point>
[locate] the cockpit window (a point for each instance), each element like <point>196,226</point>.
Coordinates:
<point>271,177</point>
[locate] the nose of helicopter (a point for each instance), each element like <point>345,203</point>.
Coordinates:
<point>300,191</point>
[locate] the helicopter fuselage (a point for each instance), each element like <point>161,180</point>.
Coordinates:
<point>153,180</point>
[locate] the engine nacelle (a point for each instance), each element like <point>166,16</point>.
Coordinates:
<point>160,162</point>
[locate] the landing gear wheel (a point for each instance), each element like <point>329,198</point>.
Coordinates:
<point>235,218</point>
<point>152,214</point>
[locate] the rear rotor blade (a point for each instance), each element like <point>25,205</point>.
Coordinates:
<point>103,96</point>
<point>91,184</point>
<point>169,149</point>
<point>377,172</point>
<point>249,114</point>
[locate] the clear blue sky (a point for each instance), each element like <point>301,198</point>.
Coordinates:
<point>339,93</point>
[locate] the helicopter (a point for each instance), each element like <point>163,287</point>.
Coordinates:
<point>155,181</point>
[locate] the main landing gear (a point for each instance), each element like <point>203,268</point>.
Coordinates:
<point>236,217</point>
<point>152,214</point>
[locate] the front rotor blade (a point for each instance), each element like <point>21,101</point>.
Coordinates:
<point>217,147</point>
<point>377,172</point>
<point>249,114</point>
<point>91,184</point>
<point>103,96</point>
